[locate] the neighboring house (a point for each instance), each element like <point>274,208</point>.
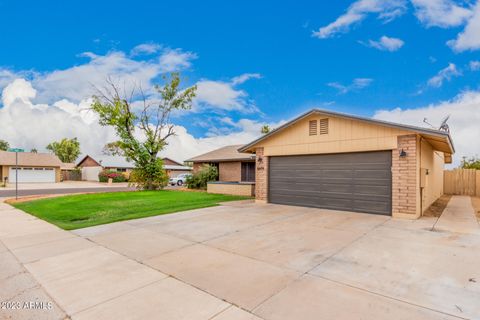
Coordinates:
<point>236,170</point>
<point>174,168</point>
<point>91,166</point>
<point>336,161</point>
<point>31,168</point>
<point>69,171</point>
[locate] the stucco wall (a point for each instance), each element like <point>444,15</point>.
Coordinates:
<point>343,136</point>
<point>230,171</point>
<point>431,184</point>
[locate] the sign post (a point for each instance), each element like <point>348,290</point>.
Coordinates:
<point>16,150</point>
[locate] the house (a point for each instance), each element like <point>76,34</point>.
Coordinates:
<point>174,168</point>
<point>91,166</point>
<point>32,167</point>
<point>236,170</point>
<point>337,161</point>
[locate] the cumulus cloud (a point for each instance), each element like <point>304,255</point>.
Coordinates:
<point>387,10</point>
<point>445,74</point>
<point>49,106</point>
<point>357,84</point>
<point>441,13</point>
<point>145,49</point>
<point>469,38</point>
<point>222,95</point>
<point>464,111</point>
<point>386,44</point>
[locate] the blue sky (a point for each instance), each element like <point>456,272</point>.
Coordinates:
<point>300,54</point>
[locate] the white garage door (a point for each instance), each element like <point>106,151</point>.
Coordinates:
<point>30,174</point>
<point>90,173</point>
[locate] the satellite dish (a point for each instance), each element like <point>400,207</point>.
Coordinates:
<point>444,126</point>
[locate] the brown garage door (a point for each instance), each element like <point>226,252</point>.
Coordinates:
<point>360,182</point>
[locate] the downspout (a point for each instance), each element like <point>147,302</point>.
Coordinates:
<point>420,176</point>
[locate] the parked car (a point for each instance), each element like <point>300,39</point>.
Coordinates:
<point>179,180</point>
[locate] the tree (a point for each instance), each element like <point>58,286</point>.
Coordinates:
<point>470,163</point>
<point>148,119</point>
<point>67,150</point>
<point>265,129</point>
<point>113,149</point>
<point>203,176</point>
<point>4,145</point>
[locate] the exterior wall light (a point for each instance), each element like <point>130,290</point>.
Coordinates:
<point>403,154</point>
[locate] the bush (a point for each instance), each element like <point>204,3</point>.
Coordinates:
<point>470,163</point>
<point>200,179</point>
<point>150,177</point>
<point>104,175</point>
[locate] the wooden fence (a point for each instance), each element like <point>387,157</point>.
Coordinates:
<point>462,182</point>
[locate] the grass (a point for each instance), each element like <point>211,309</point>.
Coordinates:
<point>80,211</point>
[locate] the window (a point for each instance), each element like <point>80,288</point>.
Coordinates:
<point>38,169</point>
<point>248,171</point>
<point>27,168</point>
<point>121,170</point>
<point>324,126</point>
<point>49,169</point>
<point>312,127</point>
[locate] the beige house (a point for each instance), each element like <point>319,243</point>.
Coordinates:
<point>236,170</point>
<point>336,161</point>
<point>31,168</point>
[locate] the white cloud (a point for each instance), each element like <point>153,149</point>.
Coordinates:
<point>474,65</point>
<point>175,59</point>
<point>387,10</point>
<point>245,77</point>
<point>441,13</point>
<point>445,74</point>
<point>224,96</point>
<point>386,44</point>
<point>469,38</point>
<point>145,49</point>
<point>465,116</point>
<point>357,84</point>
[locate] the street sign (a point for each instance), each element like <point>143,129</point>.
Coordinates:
<point>16,150</point>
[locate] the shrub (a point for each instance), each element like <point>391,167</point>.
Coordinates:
<point>104,175</point>
<point>150,177</point>
<point>470,163</point>
<point>200,179</point>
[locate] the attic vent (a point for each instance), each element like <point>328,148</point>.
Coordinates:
<point>312,127</point>
<point>323,126</point>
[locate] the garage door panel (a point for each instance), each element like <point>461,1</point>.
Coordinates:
<point>353,181</point>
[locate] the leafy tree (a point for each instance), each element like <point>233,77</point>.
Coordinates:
<point>113,149</point>
<point>265,129</point>
<point>470,163</point>
<point>200,179</point>
<point>4,145</point>
<point>148,119</point>
<point>67,150</point>
<point>34,150</point>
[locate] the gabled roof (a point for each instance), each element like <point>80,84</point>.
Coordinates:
<point>30,159</point>
<point>110,161</point>
<point>228,153</point>
<point>440,140</point>
<point>171,160</point>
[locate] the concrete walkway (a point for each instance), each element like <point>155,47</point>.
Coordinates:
<point>459,217</point>
<point>242,262</point>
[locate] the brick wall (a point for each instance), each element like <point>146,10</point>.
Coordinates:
<point>197,166</point>
<point>230,171</point>
<point>261,176</point>
<point>404,176</point>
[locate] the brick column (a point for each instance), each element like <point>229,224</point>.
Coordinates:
<point>404,177</point>
<point>261,176</point>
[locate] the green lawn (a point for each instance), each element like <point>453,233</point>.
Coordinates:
<point>85,210</point>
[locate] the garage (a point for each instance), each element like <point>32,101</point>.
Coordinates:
<point>31,174</point>
<point>332,160</point>
<point>360,182</point>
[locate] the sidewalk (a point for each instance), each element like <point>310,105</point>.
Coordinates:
<point>459,217</point>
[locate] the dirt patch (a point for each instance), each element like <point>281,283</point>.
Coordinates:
<point>436,209</point>
<point>476,206</point>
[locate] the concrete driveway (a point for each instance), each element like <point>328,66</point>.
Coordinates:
<point>246,261</point>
